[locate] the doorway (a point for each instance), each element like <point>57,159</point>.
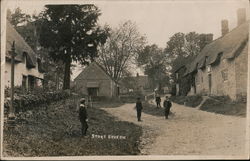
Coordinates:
<point>93,92</point>
<point>210,83</point>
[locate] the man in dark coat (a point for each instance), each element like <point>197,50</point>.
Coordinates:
<point>167,105</point>
<point>138,108</point>
<point>83,116</point>
<point>158,101</point>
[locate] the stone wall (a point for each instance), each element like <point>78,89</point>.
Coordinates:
<point>241,67</point>
<point>220,87</point>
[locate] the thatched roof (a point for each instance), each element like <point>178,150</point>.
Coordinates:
<point>227,45</point>
<point>21,47</point>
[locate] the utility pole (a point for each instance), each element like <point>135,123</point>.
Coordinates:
<point>11,110</point>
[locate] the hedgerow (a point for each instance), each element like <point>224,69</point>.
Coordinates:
<point>29,100</point>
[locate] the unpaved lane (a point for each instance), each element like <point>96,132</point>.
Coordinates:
<point>189,131</point>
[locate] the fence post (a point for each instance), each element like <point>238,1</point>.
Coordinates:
<point>11,116</point>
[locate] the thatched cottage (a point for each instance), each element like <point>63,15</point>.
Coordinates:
<point>29,72</point>
<point>221,67</point>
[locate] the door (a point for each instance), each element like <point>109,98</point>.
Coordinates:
<point>210,83</point>
<point>93,92</point>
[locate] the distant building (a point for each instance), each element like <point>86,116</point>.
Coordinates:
<point>221,67</point>
<point>28,67</point>
<point>94,81</point>
<point>138,83</point>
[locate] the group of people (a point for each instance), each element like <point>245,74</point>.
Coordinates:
<point>83,116</point>
<point>166,104</point>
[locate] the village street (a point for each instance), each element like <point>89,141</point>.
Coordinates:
<point>188,131</point>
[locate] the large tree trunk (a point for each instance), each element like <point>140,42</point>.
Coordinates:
<point>66,80</point>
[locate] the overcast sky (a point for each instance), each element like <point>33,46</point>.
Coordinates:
<point>158,20</point>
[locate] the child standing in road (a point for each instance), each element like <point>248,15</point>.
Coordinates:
<point>138,108</point>
<point>167,105</point>
<point>83,116</point>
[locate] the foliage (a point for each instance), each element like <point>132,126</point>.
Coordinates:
<point>118,53</point>
<point>70,32</point>
<point>17,17</point>
<point>155,64</point>
<point>181,48</point>
<point>29,100</point>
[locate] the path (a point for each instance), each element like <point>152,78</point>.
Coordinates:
<point>189,131</point>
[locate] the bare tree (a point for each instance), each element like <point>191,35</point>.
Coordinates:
<point>120,49</point>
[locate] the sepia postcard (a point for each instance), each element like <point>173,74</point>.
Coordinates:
<point>124,80</point>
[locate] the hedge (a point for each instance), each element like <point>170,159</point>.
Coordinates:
<point>23,102</point>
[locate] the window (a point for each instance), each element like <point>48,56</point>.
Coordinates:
<point>209,68</point>
<point>24,82</point>
<point>176,75</point>
<point>224,74</point>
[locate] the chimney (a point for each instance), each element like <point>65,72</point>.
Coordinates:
<point>137,74</point>
<point>224,27</point>
<point>209,38</point>
<point>241,16</point>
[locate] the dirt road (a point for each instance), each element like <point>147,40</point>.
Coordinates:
<point>188,131</point>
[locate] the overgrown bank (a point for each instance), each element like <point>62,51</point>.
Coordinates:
<point>217,104</point>
<point>56,132</point>
<point>223,105</point>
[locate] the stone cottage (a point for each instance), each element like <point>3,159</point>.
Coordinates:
<point>94,81</point>
<point>29,72</point>
<point>221,67</point>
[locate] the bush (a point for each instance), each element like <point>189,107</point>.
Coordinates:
<point>25,101</point>
<point>191,101</point>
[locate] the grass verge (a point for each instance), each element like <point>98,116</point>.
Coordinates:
<point>224,105</point>
<point>190,101</point>
<point>56,132</point>
<point>152,110</point>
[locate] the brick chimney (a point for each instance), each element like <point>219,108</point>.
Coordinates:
<point>241,15</point>
<point>209,38</point>
<point>224,27</point>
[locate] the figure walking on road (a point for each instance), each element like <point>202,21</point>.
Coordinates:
<point>83,116</point>
<point>138,108</point>
<point>158,101</point>
<point>167,105</point>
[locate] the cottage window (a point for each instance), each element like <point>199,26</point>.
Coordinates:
<point>24,83</point>
<point>209,68</point>
<point>224,74</point>
<point>197,79</point>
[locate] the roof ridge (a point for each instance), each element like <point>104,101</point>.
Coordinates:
<point>22,39</point>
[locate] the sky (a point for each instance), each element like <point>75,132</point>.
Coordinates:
<point>157,20</point>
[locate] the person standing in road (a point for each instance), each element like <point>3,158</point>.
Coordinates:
<point>167,105</point>
<point>138,108</point>
<point>83,116</point>
<point>158,101</point>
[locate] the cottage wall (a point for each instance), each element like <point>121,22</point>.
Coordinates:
<point>241,68</point>
<point>20,70</point>
<point>219,87</point>
<point>95,74</point>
